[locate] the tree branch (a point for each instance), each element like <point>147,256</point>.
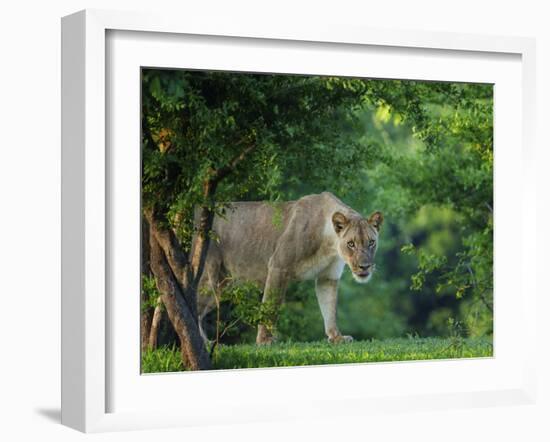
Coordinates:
<point>206,218</point>
<point>201,244</point>
<point>222,172</point>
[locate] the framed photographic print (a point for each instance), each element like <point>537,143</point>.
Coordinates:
<point>278,222</point>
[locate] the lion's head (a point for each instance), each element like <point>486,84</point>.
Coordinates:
<point>357,242</point>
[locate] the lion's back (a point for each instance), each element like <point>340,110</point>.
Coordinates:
<point>247,236</point>
<point>248,233</point>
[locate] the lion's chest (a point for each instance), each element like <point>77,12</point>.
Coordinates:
<point>327,266</point>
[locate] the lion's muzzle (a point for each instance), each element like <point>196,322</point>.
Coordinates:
<point>363,272</point>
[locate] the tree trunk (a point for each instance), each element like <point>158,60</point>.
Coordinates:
<point>179,300</point>
<point>177,277</point>
<point>145,324</point>
<point>146,312</point>
<point>155,324</point>
<point>176,259</point>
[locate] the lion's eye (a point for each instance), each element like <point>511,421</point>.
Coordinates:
<point>371,243</point>
<point>351,244</point>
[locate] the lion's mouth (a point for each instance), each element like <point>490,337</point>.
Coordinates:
<point>362,277</point>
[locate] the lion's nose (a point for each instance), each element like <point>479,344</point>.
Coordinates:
<point>365,267</point>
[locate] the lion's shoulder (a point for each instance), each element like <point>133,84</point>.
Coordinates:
<point>320,205</point>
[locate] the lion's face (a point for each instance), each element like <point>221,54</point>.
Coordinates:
<point>357,243</point>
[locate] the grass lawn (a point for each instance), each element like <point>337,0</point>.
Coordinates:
<point>289,354</point>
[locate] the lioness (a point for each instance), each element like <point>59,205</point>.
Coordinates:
<point>308,239</point>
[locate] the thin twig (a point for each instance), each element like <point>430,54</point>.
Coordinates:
<point>228,327</point>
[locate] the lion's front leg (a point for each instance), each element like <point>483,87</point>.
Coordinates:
<point>327,295</point>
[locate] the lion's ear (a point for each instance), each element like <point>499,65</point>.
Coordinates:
<point>376,220</point>
<point>339,221</point>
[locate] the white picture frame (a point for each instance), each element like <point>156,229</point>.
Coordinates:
<point>86,208</point>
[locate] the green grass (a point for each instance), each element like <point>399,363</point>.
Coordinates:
<point>290,354</point>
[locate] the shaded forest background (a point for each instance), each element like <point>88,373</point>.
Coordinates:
<point>420,152</point>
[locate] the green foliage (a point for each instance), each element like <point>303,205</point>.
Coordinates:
<point>196,122</point>
<point>149,288</point>
<point>427,263</point>
<point>434,179</point>
<point>161,360</point>
<point>318,353</point>
<point>247,308</point>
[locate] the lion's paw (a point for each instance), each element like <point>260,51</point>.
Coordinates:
<point>340,339</point>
